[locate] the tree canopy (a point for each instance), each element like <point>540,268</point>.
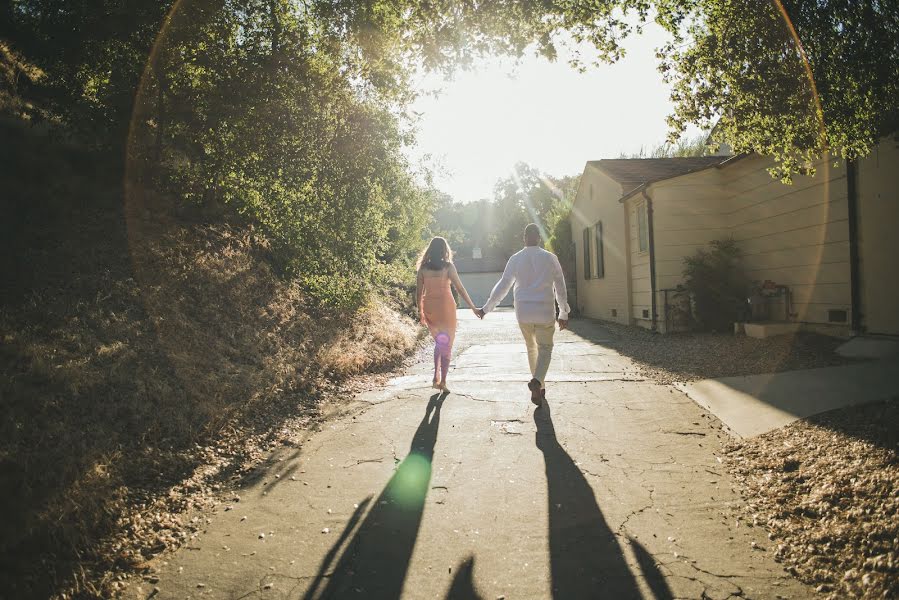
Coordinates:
<point>791,79</point>
<point>295,114</point>
<point>496,226</point>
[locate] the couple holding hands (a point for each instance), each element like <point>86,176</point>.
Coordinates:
<point>538,282</point>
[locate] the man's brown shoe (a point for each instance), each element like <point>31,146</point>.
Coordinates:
<point>536,396</point>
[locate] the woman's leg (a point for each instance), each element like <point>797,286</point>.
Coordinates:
<point>437,356</point>
<point>443,348</point>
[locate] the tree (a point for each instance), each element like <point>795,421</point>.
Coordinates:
<point>292,114</point>
<point>791,79</point>
<point>685,146</point>
<point>558,223</point>
<point>526,196</point>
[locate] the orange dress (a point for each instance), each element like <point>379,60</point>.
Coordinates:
<point>438,307</point>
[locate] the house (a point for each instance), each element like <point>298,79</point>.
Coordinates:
<point>827,244</point>
<point>479,275</point>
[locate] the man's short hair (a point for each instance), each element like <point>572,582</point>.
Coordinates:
<point>532,231</point>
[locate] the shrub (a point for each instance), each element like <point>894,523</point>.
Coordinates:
<point>717,285</point>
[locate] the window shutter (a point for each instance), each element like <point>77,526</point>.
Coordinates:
<point>587,267</point>
<point>600,264</point>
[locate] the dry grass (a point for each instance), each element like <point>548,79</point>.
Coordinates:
<point>139,365</point>
<point>825,489</point>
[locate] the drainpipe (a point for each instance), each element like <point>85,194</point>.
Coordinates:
<point>854,271</point>
<point>652,259</point>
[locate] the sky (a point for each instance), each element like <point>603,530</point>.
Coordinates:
<point>543,113</point>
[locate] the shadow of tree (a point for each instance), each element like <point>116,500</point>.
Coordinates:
<point>375,561</point>
<point>586,560</point>
<point>699,354</point>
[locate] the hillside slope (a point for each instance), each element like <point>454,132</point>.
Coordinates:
<point>142,359</point>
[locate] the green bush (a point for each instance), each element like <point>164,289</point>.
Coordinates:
<point>717,285</point>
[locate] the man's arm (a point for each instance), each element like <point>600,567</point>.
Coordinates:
<point>559,289</point>
<point>501,288</point>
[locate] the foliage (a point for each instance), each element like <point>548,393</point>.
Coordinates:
<point>833,88</point>
<point>561,242</point>
<point>496,225</point>
<point>526,196</point>
<point>293,114</point>
<point>717,285</point>
<point>685,146</point>
<point>296,114</point>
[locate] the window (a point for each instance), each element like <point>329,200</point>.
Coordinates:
<point>594,266</point>
<point>837,316</point>
<point>642,227</point>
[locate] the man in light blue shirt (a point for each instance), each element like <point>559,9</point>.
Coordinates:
<point>538,280</point>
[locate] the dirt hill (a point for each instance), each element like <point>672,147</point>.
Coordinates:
<point>147,352</point>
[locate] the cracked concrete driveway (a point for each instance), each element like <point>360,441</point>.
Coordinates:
<point>613,490</point>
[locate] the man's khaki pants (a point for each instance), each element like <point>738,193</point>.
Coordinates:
<point>538,337</point>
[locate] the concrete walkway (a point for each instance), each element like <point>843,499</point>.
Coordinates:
<point>615,490</point>
<point>756,404</point>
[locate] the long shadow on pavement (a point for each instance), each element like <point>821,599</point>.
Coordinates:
<point>586,560</point>
<point>375,562</point>
<point>463,587</point>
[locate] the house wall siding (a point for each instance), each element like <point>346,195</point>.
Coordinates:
<point>878,239</point>
<point>641,287</point>
<point>688,215</point>
<point>795,235</point>
<point>597,298</point>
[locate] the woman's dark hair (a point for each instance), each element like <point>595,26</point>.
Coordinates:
<point>436,256</point>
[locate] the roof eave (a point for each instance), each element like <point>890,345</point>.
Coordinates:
<point>724,163</point>
<point>636,191</point>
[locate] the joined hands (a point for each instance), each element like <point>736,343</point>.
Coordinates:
<point>479,312</point>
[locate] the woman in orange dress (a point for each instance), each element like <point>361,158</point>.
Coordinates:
<point>436,273</point>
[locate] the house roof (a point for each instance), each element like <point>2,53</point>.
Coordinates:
<point>480,265</point>
<point>631,173</point>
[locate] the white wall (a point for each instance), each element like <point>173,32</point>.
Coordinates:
<point>878,220</point>
<point>795,235</point>
<point>479,286</point>
<point>641,288</point>
<point>597,200</point>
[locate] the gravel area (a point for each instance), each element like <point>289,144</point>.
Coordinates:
<point>825,488</point>
<point>685,357</point>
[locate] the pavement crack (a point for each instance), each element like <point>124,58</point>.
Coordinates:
<point>476,399</point>
<point>362,461</point>
<point>588,430</point>
<point>639,511</point>
<point>696,433</point>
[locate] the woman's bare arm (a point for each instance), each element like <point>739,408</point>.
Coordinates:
<point>419,287</point>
